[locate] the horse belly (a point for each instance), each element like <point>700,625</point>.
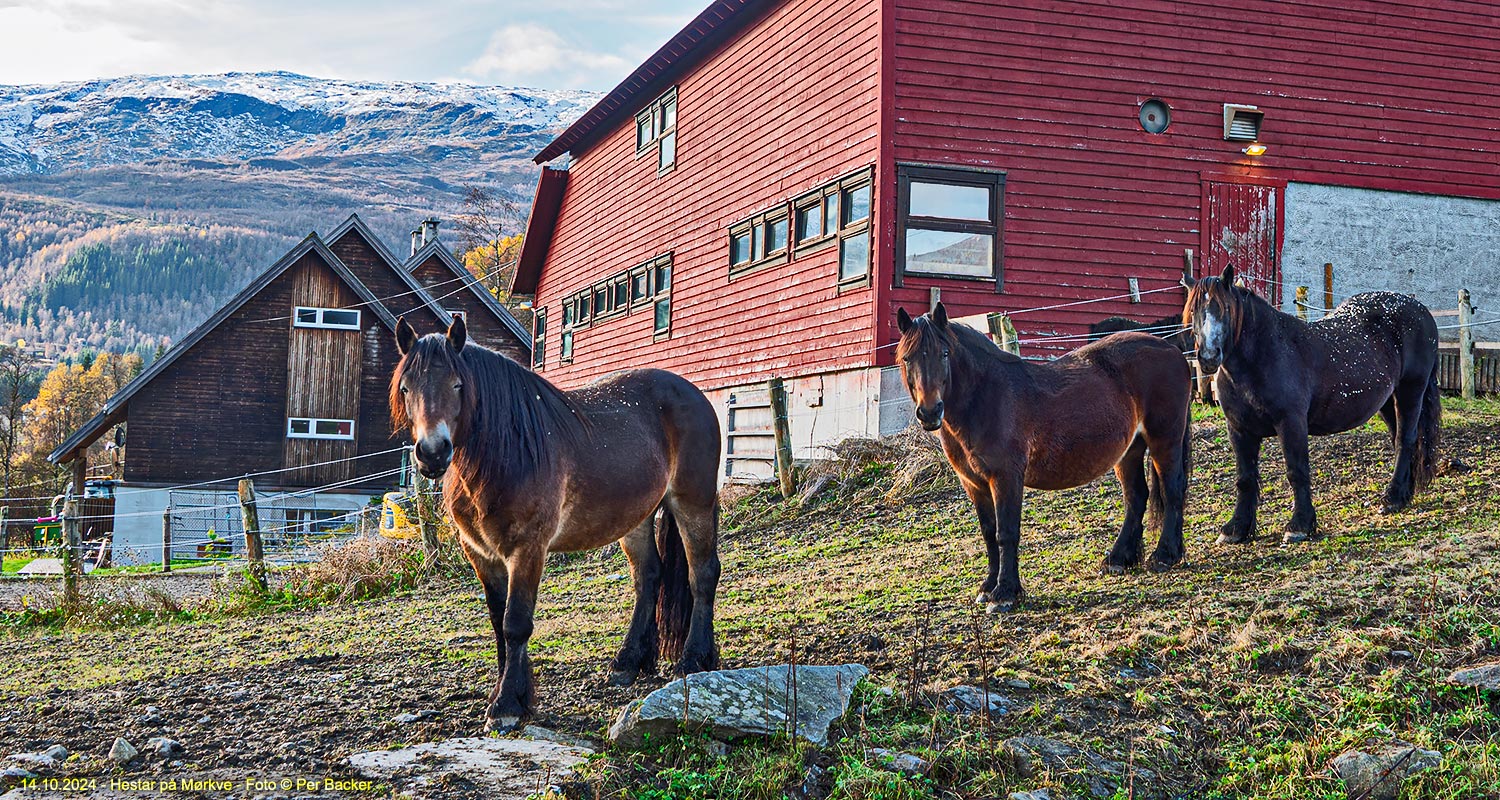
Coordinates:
<point>1348,404</point>
<point>1077,459</point>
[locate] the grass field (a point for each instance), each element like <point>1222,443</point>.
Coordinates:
<point>1240,674</point>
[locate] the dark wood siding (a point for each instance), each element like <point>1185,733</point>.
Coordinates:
<point>789,104</point>
<point>1390,95</point>
<point>483,326</point>
<point>380,278</point>
<point>323,377</point>
<point>220,409</point>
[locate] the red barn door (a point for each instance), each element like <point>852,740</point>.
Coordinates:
<point>1242,221</point>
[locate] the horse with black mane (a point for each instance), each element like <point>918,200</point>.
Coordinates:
<point>1280,376</point>
<point>1007,423</point>
<point>531,469</point>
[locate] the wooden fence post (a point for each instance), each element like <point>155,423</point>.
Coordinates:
<point>426,523</point>
<point>70,543</point>
<point>166,538</point>
<point>782,428</point>
<point>1301,302</point>
<point>253,549</point>
<point>1328,286</point>
<point>1465,345</point>
<point>1010,341</point>
<point>996,327</point>
<point>4,527</point>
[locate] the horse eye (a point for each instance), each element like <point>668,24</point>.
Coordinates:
<point>945,355</point>
<point>458,387</point>
<point>403,390</point>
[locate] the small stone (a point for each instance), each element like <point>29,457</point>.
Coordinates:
<point>718,748</point>
<point>873,643</point>
<point>967,700</point>
<point>812,783</point>
<point>1379,775</point>
<point>904,763</point>
<point>164,747</point>
<point>1022,684</point>
<point>420,716</point>
<point>1034,794</point>
<point>56,752</point>
<point>204,720</point>
<point>1401,654</point>
<point>122,751</point>
<point>1486,676</point>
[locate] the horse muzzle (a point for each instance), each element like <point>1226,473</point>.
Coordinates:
<point>433,460</point>
<point>1209,364</point>
<point>931,419</point>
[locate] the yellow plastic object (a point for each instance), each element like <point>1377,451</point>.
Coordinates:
<point>398,516</point>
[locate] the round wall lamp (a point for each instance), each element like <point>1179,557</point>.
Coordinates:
<point>1155,116</point>
<point>1254,149</point>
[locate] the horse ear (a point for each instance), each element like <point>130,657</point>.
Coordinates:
<point>458,333</point>
<point>1228,275</point>
<point>1188,281</point>
<point>940,316</point>
<point>903,320</point>
<point>406,336</point>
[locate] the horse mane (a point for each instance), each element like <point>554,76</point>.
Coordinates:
<point>514,420</point>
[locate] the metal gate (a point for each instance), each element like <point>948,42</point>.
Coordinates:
<point>1242,224</point>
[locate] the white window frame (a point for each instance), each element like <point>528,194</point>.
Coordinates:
<point>312,429</point>
<point>320,323</point>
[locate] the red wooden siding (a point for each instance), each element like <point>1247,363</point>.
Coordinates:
<point>790,103</point>
<point>1390,95</point>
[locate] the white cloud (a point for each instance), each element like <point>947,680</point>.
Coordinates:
<point>528,53</point>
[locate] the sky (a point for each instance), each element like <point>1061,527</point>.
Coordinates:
<point>554,44</point>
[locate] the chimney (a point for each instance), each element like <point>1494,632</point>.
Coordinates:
<point>416,241</point>
<point>429,230</point>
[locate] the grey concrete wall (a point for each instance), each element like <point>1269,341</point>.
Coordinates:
<point>1423,245</point>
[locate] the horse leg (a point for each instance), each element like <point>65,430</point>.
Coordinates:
<point>638,653</point>
<point>1007,493</point>
<point>984,507</point>
<point>1304,520</point>
<point>1169,460</point>
<point>493,578</point>
<point>1241,526</point>
<point>699,526</point>
<point>513,703</point>
<point>1131,472</point>
<point>1408,402</point>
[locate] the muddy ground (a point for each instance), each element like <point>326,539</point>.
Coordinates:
<point>1197,672</point>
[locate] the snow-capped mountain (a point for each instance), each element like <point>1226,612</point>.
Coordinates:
<point>243,116</point>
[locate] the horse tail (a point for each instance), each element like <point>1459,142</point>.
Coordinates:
<point>1429,434</point>
<point>674,598</point>
<point>1156,498</point>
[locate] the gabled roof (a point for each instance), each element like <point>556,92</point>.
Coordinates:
<point>716,24</point>
<point>114,408</point>
<point>539,229</point>
<point>419,296</point>
<point>469,282</point>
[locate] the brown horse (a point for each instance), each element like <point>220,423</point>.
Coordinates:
<point>1280,376</point>
<point>532,469</point>
<point>1008,424</point>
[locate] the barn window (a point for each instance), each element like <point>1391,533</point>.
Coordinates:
<point>539,339</point>
<point>950,223</point>
<point>318,428</point>
<point>759,241</point>
<point>661,285</point>
<point>656,129</point>
<point>854,196</point>
<point>344,319</point>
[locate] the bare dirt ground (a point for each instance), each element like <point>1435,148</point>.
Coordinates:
<point>1239,674</point>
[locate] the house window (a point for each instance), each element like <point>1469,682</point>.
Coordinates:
<point>316,428</point>
<point>656,129</point>
<point>661,284</point>
<point>316,520</point>
<point>853,215</point>
<point>539,339</point>
<point>640,286</point>
<point>759,241</point>
<point>949,223</point>
<point>343,319</point>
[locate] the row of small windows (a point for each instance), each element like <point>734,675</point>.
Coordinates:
<point>646,284</point>
<point>318,428</point>
<point>838,211</point>
<point>656,127</point>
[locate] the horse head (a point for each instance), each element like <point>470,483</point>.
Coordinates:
<point>427,393</point>
<point>923,353</point>
<point>1213,313</point>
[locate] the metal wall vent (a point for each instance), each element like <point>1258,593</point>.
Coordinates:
<point>1242,123</point>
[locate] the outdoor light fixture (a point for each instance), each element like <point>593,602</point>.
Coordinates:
<point>1254,149</point>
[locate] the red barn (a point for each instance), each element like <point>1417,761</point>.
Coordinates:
<point>760,195</point>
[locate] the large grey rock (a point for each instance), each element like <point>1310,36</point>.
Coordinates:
<point>507,769</point>
<point>1378,775</point>
<point>1486,676</point>
<point>33,760</point>
<point>121,752</point>
<point>731,704</point>
<point>1034,794</point>
<point>57,753</point>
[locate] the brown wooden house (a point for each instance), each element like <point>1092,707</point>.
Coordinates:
<point>287,381</point>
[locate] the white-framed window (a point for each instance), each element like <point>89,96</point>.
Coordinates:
<point>315,428</point>
<point>316,520</point>
<point>344,319</point>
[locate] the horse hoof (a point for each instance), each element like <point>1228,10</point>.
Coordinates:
<point>506,724</point>
<point>1234,538</point>
<point>623,677</point>
<point>1158,564</point>
<point>1294,537</point>
<point>1390,507</point>
<point>1110,568</point>
<point>982,598</point>
<point>1002,607</point>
